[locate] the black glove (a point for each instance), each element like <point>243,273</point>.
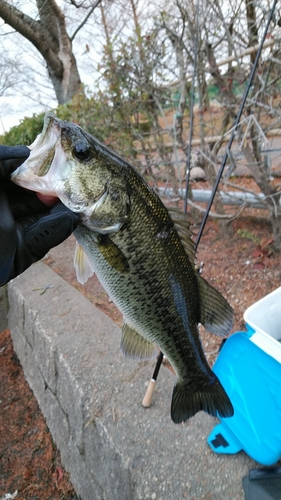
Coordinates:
<point>28,228</point>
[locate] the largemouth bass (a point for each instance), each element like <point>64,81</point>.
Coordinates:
<point>143,255</point>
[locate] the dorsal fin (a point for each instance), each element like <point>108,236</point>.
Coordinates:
<point>182,226</point>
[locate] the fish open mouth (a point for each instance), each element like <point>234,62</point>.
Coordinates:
<point>48,169</point>
<point>51,128</point>
<point>34,174</point>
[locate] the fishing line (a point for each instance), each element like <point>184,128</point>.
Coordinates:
<point>215,187</point>
<point>236,123</point>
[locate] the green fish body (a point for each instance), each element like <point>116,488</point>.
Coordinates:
<point>142,254</point>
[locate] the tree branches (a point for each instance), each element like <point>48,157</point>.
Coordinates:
<point>95,4</point>
<point>49,36</point>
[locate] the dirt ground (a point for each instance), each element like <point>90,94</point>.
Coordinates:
<point>30,466</point>
<point>240,262</point>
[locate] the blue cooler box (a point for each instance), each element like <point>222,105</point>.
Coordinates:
<point>249,368</point>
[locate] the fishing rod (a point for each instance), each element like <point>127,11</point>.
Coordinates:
<point>151,386</point>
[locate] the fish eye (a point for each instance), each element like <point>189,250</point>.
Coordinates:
<point>82,151</point>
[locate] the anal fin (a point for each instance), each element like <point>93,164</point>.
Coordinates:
<point>134,345</point>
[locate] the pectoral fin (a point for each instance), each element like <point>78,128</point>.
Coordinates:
<point>83,267</point>
<point>134,345</point>
<point>216,314</point>
<point>112,254</point>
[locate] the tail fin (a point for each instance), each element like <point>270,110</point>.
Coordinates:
<point>187,400</point>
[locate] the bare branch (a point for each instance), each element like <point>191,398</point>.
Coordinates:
<point>25,25</point>
<point>228,217</point>
<point>76,4</point>
<point>97,2</point>
<point>227,32</point>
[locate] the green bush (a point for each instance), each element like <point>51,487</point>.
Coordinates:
<point>95,115</point>
<point>24,133</point>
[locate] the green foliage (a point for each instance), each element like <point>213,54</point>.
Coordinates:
<point>94,115</point>
<point>244,233</point>
<point>24,133</point>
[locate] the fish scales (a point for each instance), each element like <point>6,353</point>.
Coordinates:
<point>141,254</point>
<point>147,278</point>
<point>144,294</point>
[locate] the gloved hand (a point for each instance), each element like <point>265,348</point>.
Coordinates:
<point>28,228</point>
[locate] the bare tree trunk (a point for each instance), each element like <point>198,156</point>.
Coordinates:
<point>50,37</point>
<point>252,26</point>
<point>227,97</point>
